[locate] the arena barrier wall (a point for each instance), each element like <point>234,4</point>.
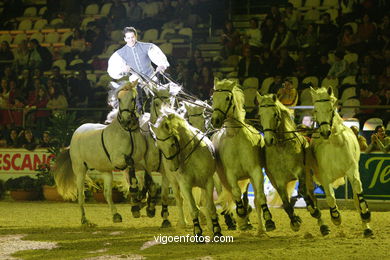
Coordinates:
<point>374,171</point>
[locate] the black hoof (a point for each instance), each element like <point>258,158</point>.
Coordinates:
<point>135,211</point>
<point>295,223</point>
<point>150,212</point>
<point>166,224</point>
<point>336,220</point>
<point>246,227</point>
<point>324,230</point>
<point>269,225</point>
<point>241,212</point>
<point>117,218</point>
<point>232,227</point>
<point>368,232</point>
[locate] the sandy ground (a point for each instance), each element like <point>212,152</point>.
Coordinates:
<point>40,230</point>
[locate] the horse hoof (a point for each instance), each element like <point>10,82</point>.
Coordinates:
<point>117,218</point>
<point>232,227</point>
<point>135,211</point>
<point>295,223</point>
<point>336,220</point>
<point>368,232</point>
<point>150,212</point>
<point>246,227</point>
<point>324,230</point>
<point>269,225</point>
<point>166,224</point>
<point>88,224</point>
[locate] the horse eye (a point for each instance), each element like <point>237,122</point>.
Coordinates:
<point>227,98</point>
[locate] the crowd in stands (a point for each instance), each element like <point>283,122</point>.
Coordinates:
<point>282,46</point>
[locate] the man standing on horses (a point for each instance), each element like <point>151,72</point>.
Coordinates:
<point>136,58</point>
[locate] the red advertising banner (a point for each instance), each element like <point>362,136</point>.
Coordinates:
<point>21,161</point>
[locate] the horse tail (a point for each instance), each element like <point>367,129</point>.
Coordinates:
<point>64,176</point>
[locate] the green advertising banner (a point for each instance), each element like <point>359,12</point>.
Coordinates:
<point>375,176</point>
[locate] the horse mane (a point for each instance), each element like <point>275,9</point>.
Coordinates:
<point>287,122</point>
<point>238,96</point>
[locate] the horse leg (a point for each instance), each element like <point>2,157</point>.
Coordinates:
<point>360,203</point>
<point>80,172</point>
<point>212,211</point>
<point>306,187</point>
<point>164,202</point>
<point>187,193</point>
<point>296,221</point>
<point>107,177</point>
<point>236,192</point>
<point>257,180</point>
<point>179,203</point>
<point>152,195</point>
<point>331,200</point>
<point>134,191</point>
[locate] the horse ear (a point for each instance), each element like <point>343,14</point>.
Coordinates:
<point>216,80</point>
<point>274,97</point>
<point>312,92</point>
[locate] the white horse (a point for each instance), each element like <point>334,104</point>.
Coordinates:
<point>337,154</point>
<point>189,155</point>
<point>285,157</point>
<point>238,148</point>
<point>104,148</point>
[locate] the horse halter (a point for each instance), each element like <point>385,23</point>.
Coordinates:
<point>268,129</point>
<point>330,123</point>
<point>230,103</point>
<point>133,116</point>
<point>178,150</point>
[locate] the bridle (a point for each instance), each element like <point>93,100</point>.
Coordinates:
<point>229,105</point>
<point>269,129</point>
<point>133,116</point>
<point>330,123</point>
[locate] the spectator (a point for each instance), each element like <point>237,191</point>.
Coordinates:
<point>117,14</point>
<point>58,79</point>
<point>13,139</point>
<point>268,30</point>
<point>230,39</point>
<point>308,39</point>
<point>267,64</point>
<point>291,18</point>
<point>367,98</point>
<point>41,117</point>
<point>275,14</point>
<point>379,141</point>
<point>6,56</point>
<point>288,95</point>
<point>322,67</point>
<point>76,44</point>
<point>327,34</point>
<point>24,82</point>
<point>39,57</point>
<point>339,68</point>
<point>364,77</point>
<point>80,89</point>
<point>286,64</point>
<point>361,139</point>
<point>204,83</point>
<point>5,113</point>
<point>253,37</point>
<point>21,56</point>
<point>366,31</point>
<point>349,40</point>
<point>248,66</point>
<point>276,85</point>
<point>282,38</point>
<point>45,142</point>
<point>57,100</point>
<point>307,120</point>
<point>182,11</point>
<point>27,140</point>
<point>302,65</point>
<point>384,32</point>
<point>135,13</point>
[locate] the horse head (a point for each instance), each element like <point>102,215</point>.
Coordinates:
<point>228,102</point>
<point>195,114</point>
<point>162,97</point>
<point>324,109</point>
<point>167,139</point>
<point>270,116</point>
<point>126,95</point>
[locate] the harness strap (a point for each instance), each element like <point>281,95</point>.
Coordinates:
<point>104,147</point>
